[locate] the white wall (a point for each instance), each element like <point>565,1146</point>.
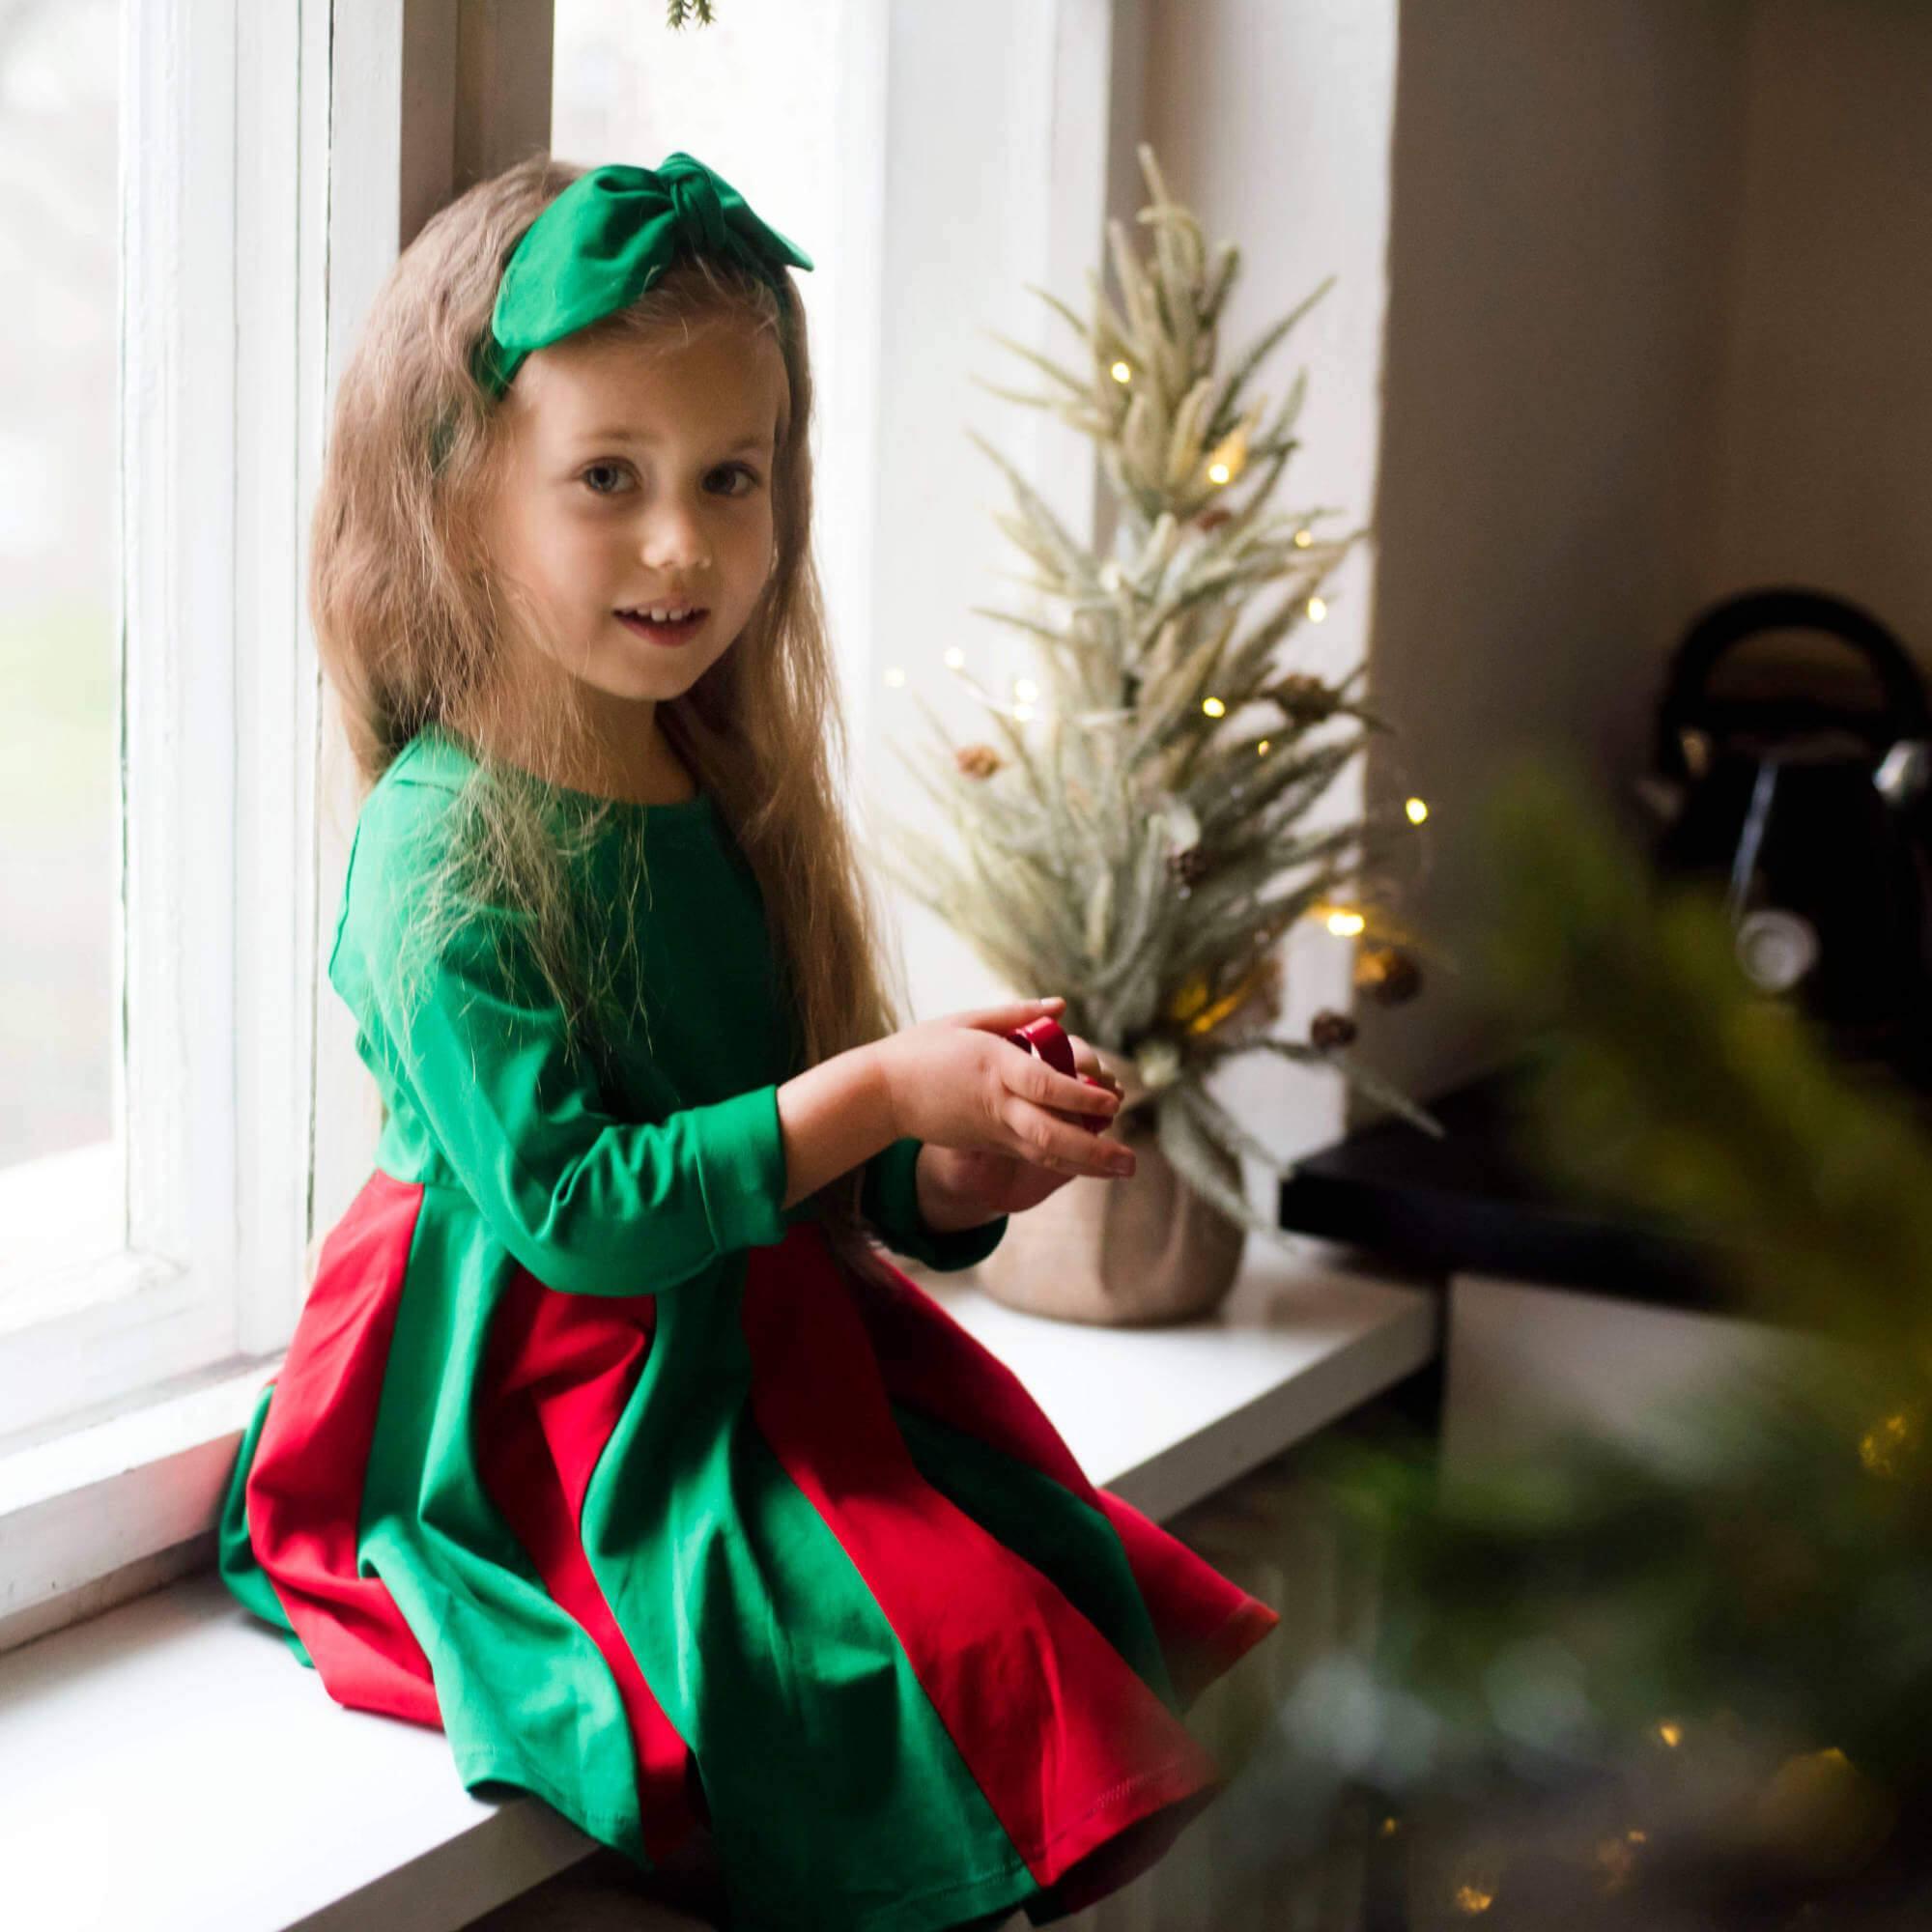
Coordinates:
<point>995,120</point>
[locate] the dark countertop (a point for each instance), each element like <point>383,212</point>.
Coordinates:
<point>1467,1204</point>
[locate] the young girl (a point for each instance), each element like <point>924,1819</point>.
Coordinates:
<point>607,1440</point>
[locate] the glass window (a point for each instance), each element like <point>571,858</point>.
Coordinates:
<point>59,610</point>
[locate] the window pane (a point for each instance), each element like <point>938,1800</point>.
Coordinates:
<point>59,577</point>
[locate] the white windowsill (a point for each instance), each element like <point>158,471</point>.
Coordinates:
<point>171,1765</point>
<point>55,1210</point>
<point>91,1502</point>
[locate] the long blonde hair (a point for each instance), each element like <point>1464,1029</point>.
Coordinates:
<point>408,619</point>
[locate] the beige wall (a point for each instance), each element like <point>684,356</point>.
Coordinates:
<point>1567,176</point>
<point>1659,311</point>
<point>1825,460</point>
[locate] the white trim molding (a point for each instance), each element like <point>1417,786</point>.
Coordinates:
<point>226,205</point>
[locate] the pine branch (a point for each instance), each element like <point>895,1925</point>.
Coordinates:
<point>1147,899</point>
<point>1215,299</point>
<point>1192,1150</point>
<point>1013,395</point>
<point>1383,1094</point>
<point>1073,562</point>
<point>1052,301</point>
<point>1039,361</point>
<point>1216,1121</point>
<point>1224,412</point>
<point>1249,933</point>
<point>1054,640</point>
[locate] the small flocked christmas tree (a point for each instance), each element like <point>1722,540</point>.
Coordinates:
<point>1140,837</point>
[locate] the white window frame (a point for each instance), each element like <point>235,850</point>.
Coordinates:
<point>253,1105</point>
<point>209,1184</point>
<point>113,1361</point>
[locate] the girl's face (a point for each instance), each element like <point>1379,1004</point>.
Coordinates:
<point>638,478</point>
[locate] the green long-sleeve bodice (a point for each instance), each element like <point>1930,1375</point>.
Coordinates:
<point>669,1161</point>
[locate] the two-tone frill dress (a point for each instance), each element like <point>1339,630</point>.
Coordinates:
<point>591,1453</point>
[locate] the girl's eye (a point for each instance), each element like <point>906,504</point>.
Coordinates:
<point>597,469</point>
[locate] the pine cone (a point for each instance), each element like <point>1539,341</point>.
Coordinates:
<point>1331,1030</point>
<point>1190,867</point>
<point>1304,699</point>
<point>1270,993</point>
<point>1387,975</point>
<point>977,761</point>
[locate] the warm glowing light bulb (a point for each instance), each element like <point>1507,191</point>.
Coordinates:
<point>1881,1449</point>
<point>1213,707</point>
<point>1261,750</point>
<point>1122,373</point>
<point>1417,810</point>
<point>1022,712</point>
<point>1025,690</point>
<point>1229,456</point>
<point>1346,924</point>
<point>1303,538</point>
<point>1671,1733</point>
<point>894,675</point>
<point>1317,610</point>
<point>1473,1900</point>
<point>955,658</point>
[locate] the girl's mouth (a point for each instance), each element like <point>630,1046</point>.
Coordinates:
<point>682,631</point>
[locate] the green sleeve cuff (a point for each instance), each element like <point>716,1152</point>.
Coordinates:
<point>741,1167</point>
<point>890,1201</point>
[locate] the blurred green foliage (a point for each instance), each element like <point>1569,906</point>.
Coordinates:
<point>1725,1648</point>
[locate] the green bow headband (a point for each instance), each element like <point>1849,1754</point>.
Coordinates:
<point>605,239</point>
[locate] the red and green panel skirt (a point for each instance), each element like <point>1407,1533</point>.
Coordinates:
<point>784,1554</point>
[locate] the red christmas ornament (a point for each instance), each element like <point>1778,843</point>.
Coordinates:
<point>1047,1037</point>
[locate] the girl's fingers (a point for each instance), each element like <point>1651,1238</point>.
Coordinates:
<point>1051,1142</point>
<point>1014,1013</point>
<point>1033,1079</point>
<point>1089,1061</point>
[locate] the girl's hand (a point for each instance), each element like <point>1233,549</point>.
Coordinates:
<point>958,1085</point>
<point>976,1185</point>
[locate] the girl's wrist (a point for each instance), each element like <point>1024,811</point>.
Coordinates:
<point>942,1207</point>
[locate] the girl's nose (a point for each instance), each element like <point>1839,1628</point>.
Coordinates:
<point>675,538</point>
<point>675,534</point>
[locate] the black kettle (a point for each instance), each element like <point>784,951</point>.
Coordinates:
<point>1816,819</point>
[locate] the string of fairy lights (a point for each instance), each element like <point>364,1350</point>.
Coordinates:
<point>1223,465</point>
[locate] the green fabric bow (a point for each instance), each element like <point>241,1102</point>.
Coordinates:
<point>605,239</point>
